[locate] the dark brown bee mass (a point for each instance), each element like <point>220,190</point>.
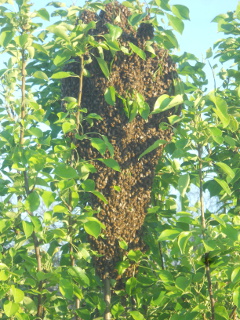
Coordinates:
<point>124,214</point>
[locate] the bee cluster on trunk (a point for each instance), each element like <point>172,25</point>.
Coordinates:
<point>125,211</point>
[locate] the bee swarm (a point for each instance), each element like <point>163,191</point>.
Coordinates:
<point>124,214</point>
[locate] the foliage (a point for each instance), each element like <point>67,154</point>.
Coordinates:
<point>191,268</point>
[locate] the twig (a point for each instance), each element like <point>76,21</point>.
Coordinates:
<point>79,100</point>
<point>214,79</point>
<point>107,297</point>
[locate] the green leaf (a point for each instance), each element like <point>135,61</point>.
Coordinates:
<point>221,109</point>
<point>99,144</point>
<point>88,185</point>
<point>43,13</point>
<point>93,228</point>
<point>123,244</point>
<point>136,315</point>
<point>32,201</point>
<point>48,198</point>
<point>224,186</point>
<point>164,102</point>
<point>109,146</point>
<point>80,274</point>
<point>36,132</point>
<point>166,276</point>
<point>59,31</point>
<point>183,240</point>
<point>104,67</point>
<point>183,183</point>
<point>169,234</point>
<point>236,297</point>
<point>136,18</point>
<point>230,173</point>
<point>155,145</point>
<point>114,31</point>
<point>65,172</point>
<point>29,305</point>
<point>111,163</point>
<point>235,276</point>
<point>130,285</point>
<point>10,308</point>
<point>66,288</point>
<point>64,74</point>
<point>138,51</point>
<point>40,75</point>
<point>209,245</point>
<point>109,96</point>
<point>182,12</point>
<point>27,228</point>
<point>37,225</point>
<point>222,312</point>
<point>209,53</point>
<point>134,255</point>
<point>182,283</point>
<point>6,37</point>
<point>4,275</point>
<point>22,40</point>
<point>176,23</point>
<point>100,196</point>
<point>18,295</point>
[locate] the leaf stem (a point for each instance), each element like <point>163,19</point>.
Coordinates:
<point>79,100</point>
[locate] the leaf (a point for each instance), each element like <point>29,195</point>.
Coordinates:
<point>182,283</point>
<point>134,255</point>
<point>18,294</point>
<point>10,308</point>
<point>183,183</point>
<point>100,196</point>
<point>166,276</point>
<point>43,13</point>
<point>182,12</point>
<point>224,186</point>
<point>88,185</point>
<point>176,23</point>
<point>80,274</point>
<point>222,312</point>
<point>32,201</point>
<point>65,172</point>
<point>155,145</point>
<point>29,304</point>
<point>104,67</point>
<point>48,197</point>
<point>66,288</point>
<point>111,163</point>
<point>221,109</point>
<point>169,234</point>
<point>136,18</point>
<point>99,144</point>
<point>114,31</point>
<point>36,132</point>
<point>137,50</point>
<point>6,37</point>
<point>230,173</point>
<point>236,297</point>
<point>183,240</point>
<point>64,74</point>
<point>59,31</point>
<point>235,276</point>
<point>131,283</point>
<point>93,228</point>
<point>27,228</point>
<point>40,75</point>
<point>164,102</point>
<point>136,315</point>
<point>109,95</point>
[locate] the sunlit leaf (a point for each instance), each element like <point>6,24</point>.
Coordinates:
<point>109,95</point>
<point>111,163</point>
<point>32,201</point>
<point>176,23</point>
<point>66,288</point>
<point>224,185</point>
<point>169,234</point>
<point>104,67</point>
<point>93,228</point>
<point>182,12</point>
<point>183,183</point>
<point>154,146</point>
<point>138,51</point>
<point>10,308</point>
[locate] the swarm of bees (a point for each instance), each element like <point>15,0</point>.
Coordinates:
<point>125,211</point>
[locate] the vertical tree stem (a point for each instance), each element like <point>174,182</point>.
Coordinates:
<point>26,183</point>
<point>207,263</point>
<point>107,297</point>
<point>161,255</point>
<point>79,100</point>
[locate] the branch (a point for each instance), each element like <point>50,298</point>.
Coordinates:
<point>107,297</point>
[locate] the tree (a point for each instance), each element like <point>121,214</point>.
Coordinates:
<point>189,268</point>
